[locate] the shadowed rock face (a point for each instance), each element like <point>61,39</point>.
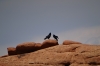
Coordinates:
<point>37,46</point>
<point>67,42</point>
<point>27,47</point>
<point>59,55</point>
<point>11,51</point>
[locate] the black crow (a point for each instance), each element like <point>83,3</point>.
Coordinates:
<point>55,37</point>
<point>48,36</point>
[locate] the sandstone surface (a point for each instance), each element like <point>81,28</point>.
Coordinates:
<point>25,47</point>
<point>49,43</point>
<point>67,42</point>
<point>58,55</point>
<point>28,47</point>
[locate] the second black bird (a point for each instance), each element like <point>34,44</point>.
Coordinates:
<point>55,37</point>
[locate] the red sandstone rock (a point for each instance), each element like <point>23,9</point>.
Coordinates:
<point>60,55</point>
<point>67,42</point>
<point>28,47</point>
<point>25,47</point>
<point>11,51</point>
<point>37,46</point>
<point>49,43</point>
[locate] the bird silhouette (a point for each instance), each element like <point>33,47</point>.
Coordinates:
<point>55,37</point>
<point>48,36</point>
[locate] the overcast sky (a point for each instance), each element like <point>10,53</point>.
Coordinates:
<point>31,20</point>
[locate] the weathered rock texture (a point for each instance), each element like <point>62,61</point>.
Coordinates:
<point>59,55</point>
<point>67,42</point>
